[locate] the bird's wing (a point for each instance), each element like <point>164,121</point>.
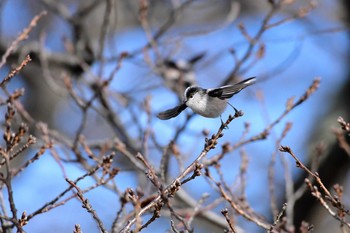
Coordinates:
<point>196,58</point>
<point>228,91</point>
<point>173,112</point>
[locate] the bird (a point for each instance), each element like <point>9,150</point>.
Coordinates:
<point>210,103</point>
<point>176,70</point>
<point>179,74</point>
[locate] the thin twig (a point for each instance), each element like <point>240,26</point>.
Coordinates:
<point>228,220</point>
<point>15,71</point>
<point>87,205</point>
<point>21,37</point>
<point>333,199</point>
<point>171,189</point>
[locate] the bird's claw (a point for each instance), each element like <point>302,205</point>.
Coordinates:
<point>223,124</point>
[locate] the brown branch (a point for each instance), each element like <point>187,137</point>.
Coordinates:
<point>7,180</point>
<point>32,160</point>
<point>278,218</point>
<point>342,142</point>
<point>171,189</point>
<point>104,31</point>
<point>331,198</point>
<point>150,173</point>
<point>15,71</point>
<point>51,203</point>
<point>318,195</point>
<point>228,220</point>
<point>271,173</point>
<point>21,37</point>
<point>241,211</point>
<point>255,40</point>
<point>263,135</point>
<point>252,42</point>
<point>344,125</point>
<point>87,205</point>
<point>77,229</point>
<point>302,12</point>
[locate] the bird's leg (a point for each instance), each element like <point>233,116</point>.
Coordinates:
<point>222,123</point>
<point>236,111</point>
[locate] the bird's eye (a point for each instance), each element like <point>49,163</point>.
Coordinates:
<point>190,92</point>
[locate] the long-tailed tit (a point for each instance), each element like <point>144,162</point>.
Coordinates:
<point>179,74</point>
<point>209,103</point>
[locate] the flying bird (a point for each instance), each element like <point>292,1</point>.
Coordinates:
<point>209,103</point>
